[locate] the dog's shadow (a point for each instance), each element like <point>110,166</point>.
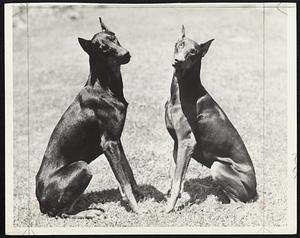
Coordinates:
<point>113,195</point>
<point>199,189</point>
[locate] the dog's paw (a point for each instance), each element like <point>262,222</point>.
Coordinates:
<point>161,210</point>
<point>168,209</point>
<point>143,211</point>
<point>92,213</point>
<point>87,214</point>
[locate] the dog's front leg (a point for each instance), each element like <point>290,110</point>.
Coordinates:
<point>115,154</point>
<point>128,170</point>
<point>184,153</point>
<point>172,167</point>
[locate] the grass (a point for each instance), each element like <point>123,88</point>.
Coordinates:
<point>232,72</point>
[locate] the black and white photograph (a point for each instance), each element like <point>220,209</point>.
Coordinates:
<point>150,118</point>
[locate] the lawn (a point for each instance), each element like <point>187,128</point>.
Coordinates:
<point>232,71</point>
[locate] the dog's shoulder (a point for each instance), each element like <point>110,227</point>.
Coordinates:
<point>204,102</point>
<point>92,98</point>
<point>87,98</point>
<point>208,108</point>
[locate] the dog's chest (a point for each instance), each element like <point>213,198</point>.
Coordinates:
<point>103,106</point>
<point>176,117</point>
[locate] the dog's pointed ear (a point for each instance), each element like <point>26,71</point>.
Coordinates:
<point>182,31</point>
<point>85,44</point>
<point>103,27</point>
<point>204,47</point>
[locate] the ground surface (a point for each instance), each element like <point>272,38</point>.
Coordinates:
<point>232,72</point>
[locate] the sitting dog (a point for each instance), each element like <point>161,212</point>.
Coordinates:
<point>201,130</point>
<point>92,125</point>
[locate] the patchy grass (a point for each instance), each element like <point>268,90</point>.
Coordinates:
<point>232,72</point>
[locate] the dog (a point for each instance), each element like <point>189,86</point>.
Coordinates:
<point>92,125</point>
<point>202,131</point>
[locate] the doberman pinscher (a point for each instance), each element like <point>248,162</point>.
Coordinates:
<point>201,130</point>
<point>91,126</point>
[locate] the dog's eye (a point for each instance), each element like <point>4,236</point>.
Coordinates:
<point>112,38</point>
<point>103,47</point>
<point>180,45</point>
<point>193,51</point>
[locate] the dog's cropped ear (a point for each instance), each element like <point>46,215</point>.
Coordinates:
<point>85,44</point>
<point>204,47</point>
<point>182,32</point>
<point>103,27</point>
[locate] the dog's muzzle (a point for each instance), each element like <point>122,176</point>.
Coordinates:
<point>125,58</point>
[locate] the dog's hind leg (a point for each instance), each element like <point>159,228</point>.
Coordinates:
<point>73,178</point>
<point>64,189</point>
<point>236,184</point>
<point>77,176</point>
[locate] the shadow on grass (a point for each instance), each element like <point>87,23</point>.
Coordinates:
<point>199,189</point>
<point>113,195</point>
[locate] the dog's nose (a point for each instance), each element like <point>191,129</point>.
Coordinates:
<point>125,58</point>
<point>127,55</point>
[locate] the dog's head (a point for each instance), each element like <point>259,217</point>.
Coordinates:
<point>187,52</point>
<point>104,46</point>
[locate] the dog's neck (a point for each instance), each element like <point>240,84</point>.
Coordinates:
<point>106,77</point>
<point>186,87</point>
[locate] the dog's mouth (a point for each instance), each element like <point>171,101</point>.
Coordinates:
<point>177,63</point>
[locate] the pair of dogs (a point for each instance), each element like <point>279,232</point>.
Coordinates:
<point>93,123</point>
